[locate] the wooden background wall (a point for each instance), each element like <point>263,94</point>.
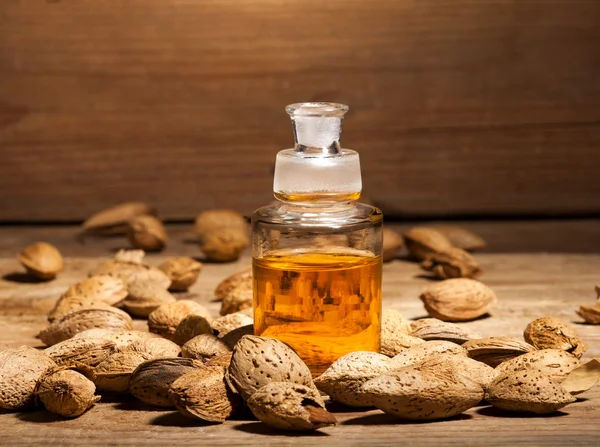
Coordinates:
<point>457,106</point>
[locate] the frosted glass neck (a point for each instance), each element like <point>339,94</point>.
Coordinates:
<point>317,126</point>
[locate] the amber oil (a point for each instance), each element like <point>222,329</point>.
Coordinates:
<point>323,302</point>
<point>316,197</point>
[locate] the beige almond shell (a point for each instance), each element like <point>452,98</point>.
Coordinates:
<point>553,333</point>
<point>78,351</point>
<point>128,271</point>
<point>145,297</point>
<point>478,372</point>
<point>238,299</point>
<point>113,374</point>
<point>458,299</point>
<point>122,339</point>
<point>66,392</point>
<point>232,281</point>
<point>41,260</point>
<point>228,323</point>
<point>453,262</point>
<point>423,241</point>
<point>151,380</point>
<point>105,317</point>
<point>165,319</point>
<point>393,323</point>
<point>156,347</point>
<point>290,406</point>
<point>461,237</point>
<point>224,245</point>
<point>590,314</point>
<point>136,256</point>
<point>494,350</point>
<point>190,327</point>
<point>527,390</point>
<point>114,220</point>
<point>419,393</point>
<point>418,353</point>
<point>101,289</point>
<point>394,346</point>
<point>392,243</point>
<point>434,329</point>
<point>555,363</point>
<point>147,233</point>
<point>204,347</point>
<point>343,380</point>
<point>256,361</point>
<point>182,271</point>
<point>20,370</point>
<point>203,394</point>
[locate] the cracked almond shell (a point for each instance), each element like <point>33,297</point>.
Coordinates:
<point>553,333</point>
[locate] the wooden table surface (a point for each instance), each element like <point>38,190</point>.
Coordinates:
<point>528,285</point>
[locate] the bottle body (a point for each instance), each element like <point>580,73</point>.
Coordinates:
<point>317,278</point>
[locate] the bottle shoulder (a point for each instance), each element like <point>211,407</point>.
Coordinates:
<point>284,213</point>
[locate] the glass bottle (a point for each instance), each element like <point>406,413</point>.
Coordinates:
<point>316,252</point>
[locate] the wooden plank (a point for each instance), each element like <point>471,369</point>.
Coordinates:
<point>528,287</point>
<point>458,107</point>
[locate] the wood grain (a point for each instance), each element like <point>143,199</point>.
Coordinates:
<point>528,287</point>
<point>458,107</point>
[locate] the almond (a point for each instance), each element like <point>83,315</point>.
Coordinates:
<point>214,220</point>
<point>416,354</point>
<point>41,260</point>
<point>392,243</point>
<point>151,380</point>
<point>393,323</point>
<point>553,333</point>
<point>204,347</point>
<point>478,372</point>
<point>203,394</point>
<point>157,348</point>
<point>256,361</point>
<point>231,338</point>
<point>394,346</point>
<point>105,317</point>
<point>494,350</point>
<point>166,318</point>
<point>226,324</point>
<point>452,263</point>
<point>290,406</point>
<point>114,220</point>
<point>182,271</point>
<point>191,326</point>
<point>343,380</point>
<point>591,314</point>
<point>224,245</point>
<point>461,237</point>
<point>434,329</point>
<point>145,297</point>
<point>129,271</point>
<point>554,363</point>
<point>228,284</point>
<point>458,299</point>
<point>76,351</point>
<point>121,339</point>
<point>147,233</point>
<point>423,241</point>
<point>527,390</point>
<point>423,393</point>
<point>20,369</point>
<point>113,374</point>
<point>66,392</point>
<point>239,298</point>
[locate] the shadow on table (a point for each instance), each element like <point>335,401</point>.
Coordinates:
<point>40,416</point>
<point>386,419</point>
<point>23,278</point>
<point>496,412</point>
<point>175,419</point>
<point>258,428</point>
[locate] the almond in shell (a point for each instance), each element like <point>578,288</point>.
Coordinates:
<point>78,351</point>
<point>190,327</point>
<point>424,241</point>
<point>66,392</point>
<point>494,350</point>
<point>20,369</point>
<point>113,374</point>
<point>41,260</point>
<point>434,329</point>
<point>555,363</point>
<point>182,271</point>
<point>452,263</point>
<point>204,347</point>
<point>290,406</point>
<point>228,323</point>
<point>146,296</point>
<point>165,319</point>
<point>129,271</point>
<point>458,299</point>
<point>238,299</point>
<point>147,233</point>
<point>228,284</point>
<point>553,333</point>
<point>114,220</point>
<point>478,372</point>
<point>418,353</point>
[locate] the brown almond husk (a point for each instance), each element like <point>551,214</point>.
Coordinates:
<point>203,394</point>
<point>583,378</point>
<point>113,220</point>
<point>290,406</point>
<point>452,263</point>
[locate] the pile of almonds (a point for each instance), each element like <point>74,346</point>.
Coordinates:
<point>222,234</point>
